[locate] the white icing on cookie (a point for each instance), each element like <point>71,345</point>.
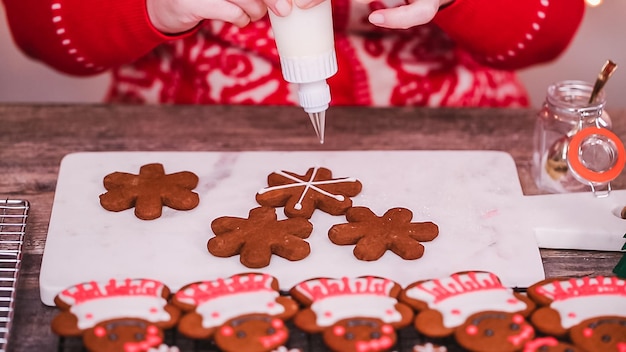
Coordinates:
<point>461,295</point>
<point>94,302</point>
<point>578,299</point>
<point>223,299</point>
<point>336,299</point>
<point>308,185</point>
<point>217,311</point>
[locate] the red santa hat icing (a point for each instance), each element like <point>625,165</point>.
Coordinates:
<point>460,295</point>
<point>93,302</point>
<point>579,299</point>
<point>336,299</point>
<point>223,299</point>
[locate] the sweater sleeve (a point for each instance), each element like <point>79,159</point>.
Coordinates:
<point>82,37</point>
<point>512,34</point>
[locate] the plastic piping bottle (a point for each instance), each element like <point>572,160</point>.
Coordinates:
<point>306,46</point>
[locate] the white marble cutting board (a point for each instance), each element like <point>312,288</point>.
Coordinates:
<point>474,197</point>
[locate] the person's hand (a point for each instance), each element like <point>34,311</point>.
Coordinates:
<point>414,13</point>
<point>176,16</point>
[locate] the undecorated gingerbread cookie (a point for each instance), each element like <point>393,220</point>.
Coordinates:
<point>373,235</point>
<point>259,236</point>
<point>444,304</point>
<point>302,194</point>
<point>241,313</point>
<point>353,314</point>
<point>149,191</point>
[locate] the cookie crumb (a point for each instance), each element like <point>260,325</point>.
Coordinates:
<point>623,213</point>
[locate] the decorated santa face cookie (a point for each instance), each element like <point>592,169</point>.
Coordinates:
<point>494,332</point>
<point>353,314</point>
<point>446,303</point>
<point>567,302</point>
<point>116,314</point>
<point>242,310</point>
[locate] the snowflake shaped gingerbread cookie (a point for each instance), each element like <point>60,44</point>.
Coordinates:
<point>259,236</point>
<point>302,194</point>
<point>374,235</point>
<point>149,191</point>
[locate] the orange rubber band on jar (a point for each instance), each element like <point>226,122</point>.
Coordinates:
<point>584,172</point>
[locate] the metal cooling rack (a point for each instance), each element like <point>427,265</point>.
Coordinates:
<point>13,215</point>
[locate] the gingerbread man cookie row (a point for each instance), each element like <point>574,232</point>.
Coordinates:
<point>246,312</point>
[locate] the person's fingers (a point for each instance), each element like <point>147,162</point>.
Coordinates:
<point>223,10</point>
<point>307,4</point>
<point>176,16</point>
<point>405,16</point>
<point>281,8</point>
<point>255,9</point>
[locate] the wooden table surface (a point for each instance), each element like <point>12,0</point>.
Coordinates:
<point>34,139</point>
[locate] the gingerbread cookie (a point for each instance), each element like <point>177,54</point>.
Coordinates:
<point>353,314</point>
<point>149,191</point>
<point>135,311</point>
<point>302,194</point>
<point>492,331</point>
<point>567,302</point>
<point>446,303</point>
<point>259,236</point>
<point>374,235</point>
<point>242,313</point>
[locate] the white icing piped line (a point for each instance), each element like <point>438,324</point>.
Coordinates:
<point>310,184</point>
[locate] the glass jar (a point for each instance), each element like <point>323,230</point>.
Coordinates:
<point>574,149</point>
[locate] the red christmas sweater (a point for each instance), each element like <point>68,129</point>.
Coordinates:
<point>465,57</point>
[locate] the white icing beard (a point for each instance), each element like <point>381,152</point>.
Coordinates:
<point>455,310</point>
<point>574,310</point>
<point>149,308</point>
<point>330,310</point>
<point>216,312</point>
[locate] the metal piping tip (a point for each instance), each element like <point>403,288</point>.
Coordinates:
<point>318,119</point>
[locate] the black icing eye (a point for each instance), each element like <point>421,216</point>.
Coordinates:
<point>139,336</point>
<point>112,337</point>
<point>488,332</point>
<point>271,331</point>
<point>543,349</point>
<point>606,338</point>
<point>514,326</point>
<point>349,336</point>
<point>241,334</point>
<point>375,335</point>
<point>566,350</point>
